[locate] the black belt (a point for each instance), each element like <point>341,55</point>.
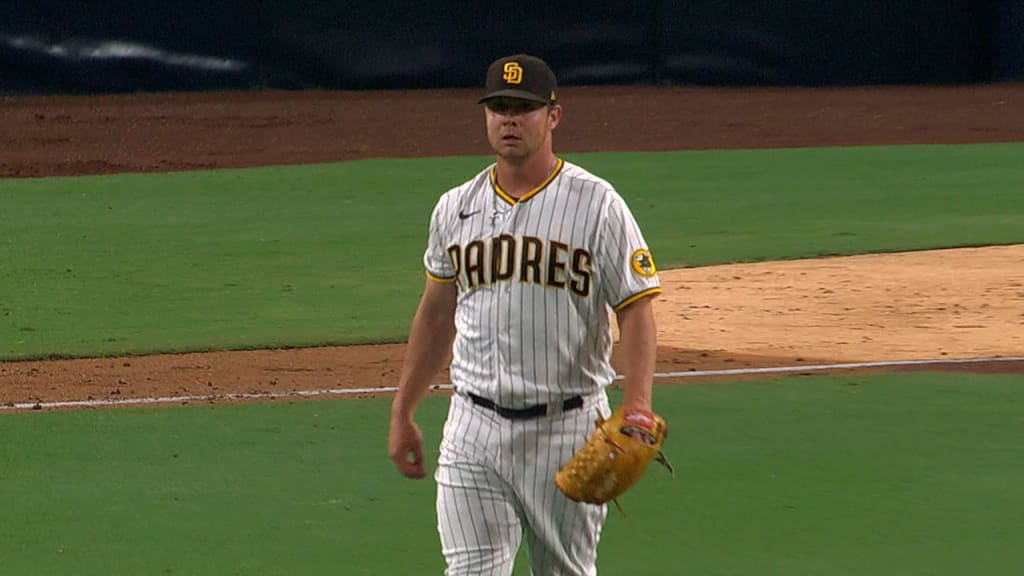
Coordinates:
<point>524,413</point>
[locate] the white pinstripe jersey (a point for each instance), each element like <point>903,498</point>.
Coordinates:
<point>538,279</point>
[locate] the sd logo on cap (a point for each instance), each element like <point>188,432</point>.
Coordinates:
<point>521,76</point>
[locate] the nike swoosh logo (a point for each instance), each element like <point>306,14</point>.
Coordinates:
<point>464,215</point>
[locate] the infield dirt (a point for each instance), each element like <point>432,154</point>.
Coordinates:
<point>914,306</point>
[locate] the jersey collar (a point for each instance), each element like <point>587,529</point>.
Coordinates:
<point>504,195</point>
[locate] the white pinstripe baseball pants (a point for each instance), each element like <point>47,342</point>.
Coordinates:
<point>495,483</point>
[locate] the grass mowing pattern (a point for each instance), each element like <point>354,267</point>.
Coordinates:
<point>840,475</point>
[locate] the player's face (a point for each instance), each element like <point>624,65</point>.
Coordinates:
<point>518,128</point>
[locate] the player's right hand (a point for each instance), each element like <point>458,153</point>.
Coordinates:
<point>405,446</point>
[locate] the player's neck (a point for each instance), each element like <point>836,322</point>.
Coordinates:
<point>519,178</point>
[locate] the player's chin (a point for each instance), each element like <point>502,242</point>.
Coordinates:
<point>513,150</point>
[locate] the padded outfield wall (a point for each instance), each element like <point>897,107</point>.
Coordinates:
<point>91,46</point>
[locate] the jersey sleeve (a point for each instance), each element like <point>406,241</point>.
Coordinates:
<point>625,261</point>
<point>436,262</point>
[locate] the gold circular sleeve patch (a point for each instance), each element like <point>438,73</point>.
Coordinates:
<point>643,263</point>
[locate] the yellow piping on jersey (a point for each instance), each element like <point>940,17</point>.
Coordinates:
<point>635,297</point>
<point>504,195</point>
<point>441,279</point>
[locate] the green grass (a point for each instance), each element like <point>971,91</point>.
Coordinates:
<point>331,254</point>
<point>254,489</point>
<point>713,207</point>
<point>839,475</point>
<point>897,474</point>
<point>900,474</point>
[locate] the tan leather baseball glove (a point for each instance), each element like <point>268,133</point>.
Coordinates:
<point>614,457</point>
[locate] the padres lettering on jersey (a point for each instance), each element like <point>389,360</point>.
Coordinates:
<point>538,278</point>
<point>527,259</point>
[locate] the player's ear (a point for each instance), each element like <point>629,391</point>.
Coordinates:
<point>554,115</point>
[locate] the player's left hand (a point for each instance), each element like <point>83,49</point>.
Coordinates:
<point>614,456</point>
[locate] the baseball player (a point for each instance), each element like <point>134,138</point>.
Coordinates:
<point>525,264</point>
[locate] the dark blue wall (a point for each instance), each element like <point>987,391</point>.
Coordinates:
<point>1008,40</point>
<point>122,45</point>
<point>73,46</point>
<point>399,44</point>
<point>794,42</point>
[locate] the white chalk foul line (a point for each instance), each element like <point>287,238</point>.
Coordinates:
<point>814,367</point>
<point>392,389</point>
<point>196,398</point>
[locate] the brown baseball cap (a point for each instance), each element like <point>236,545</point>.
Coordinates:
<point>521,76</point>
